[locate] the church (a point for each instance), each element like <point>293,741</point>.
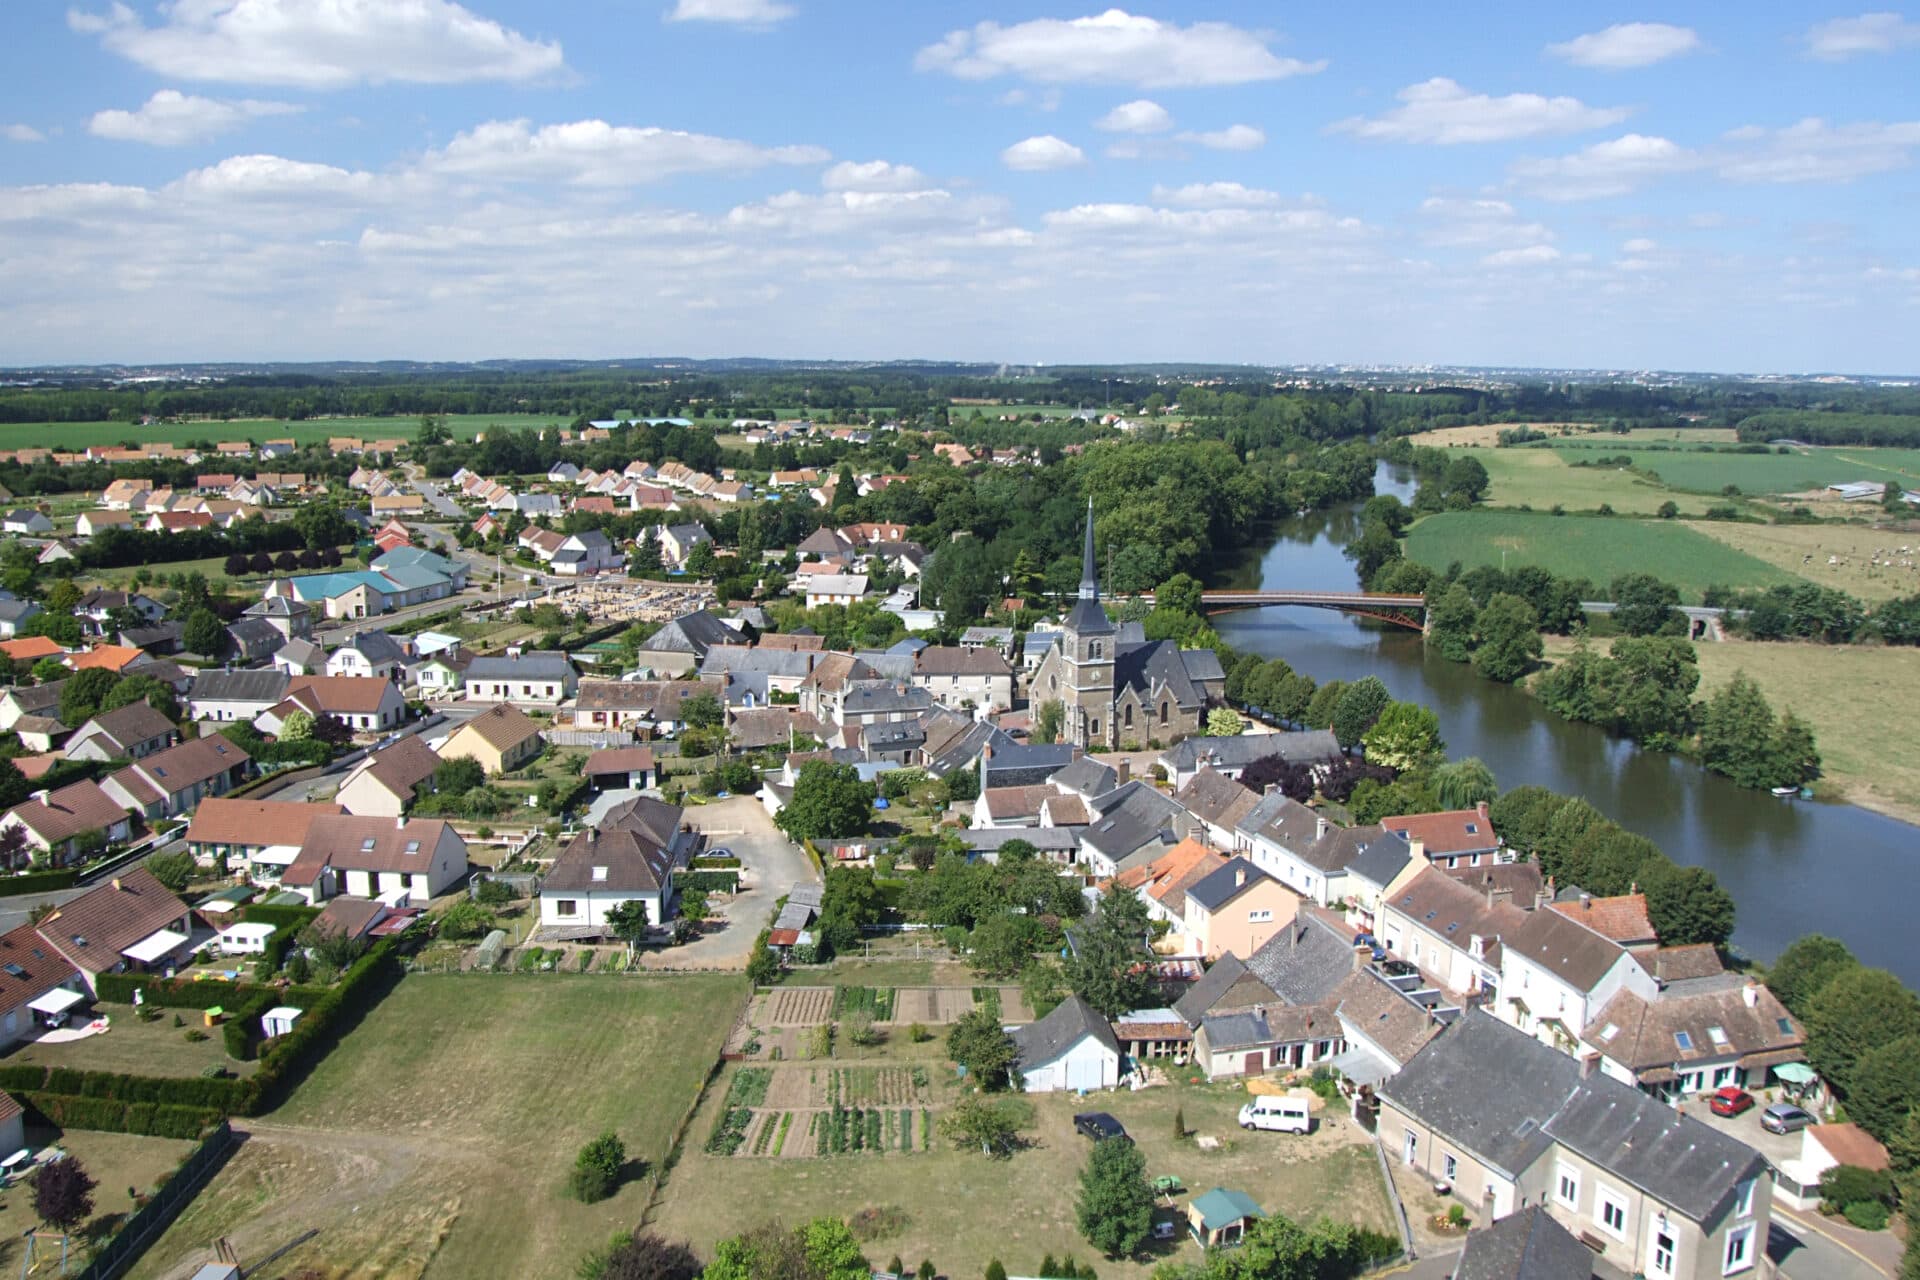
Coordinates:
<point>1114,686</point>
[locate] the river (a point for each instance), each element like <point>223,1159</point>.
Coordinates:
<point>1792,866</point>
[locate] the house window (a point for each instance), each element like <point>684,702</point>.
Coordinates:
<point>1613,1211</point>
<point>1259,917</point>
<point>1660,1261</point>
<point>567,907</point>
<point>1566,1188</point>
<point>1450,1166</point>
<point>1093,728</point>
<point>1743,1199</point>
<point>1739,1249</point>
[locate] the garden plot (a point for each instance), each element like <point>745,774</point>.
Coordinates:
<point>794,1112</point>
<point>798,1006</point>
<point>933,1005</point>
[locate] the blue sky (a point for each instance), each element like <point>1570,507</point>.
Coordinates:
<point>1725,187</point>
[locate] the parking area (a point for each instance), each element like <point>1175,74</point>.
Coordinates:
<point>1746,1128</point>
<point>770,866</point>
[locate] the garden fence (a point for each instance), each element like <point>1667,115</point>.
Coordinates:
<point>144,1225</point>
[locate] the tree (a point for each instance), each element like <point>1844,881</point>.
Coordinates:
<point>830,801</point>
<point>459,775</point>
<point>1669,509</point>
<point>1806,966</point>
<point>63,1193</point>
<point>1406,736</point>
<point>49,669</point>
<point>1223,723</point>
<point>768,1252</point>
<point>1111,969</point>
<point>703,711</point>
<point>982,1123</point>
<point>980,1044</point>
<point>1115,1208</point>
<point>763,966</point>
<point>1686,904</point>
<point>14,787</point>
<point>203,634</point>
<point>832,1251</point>
<point>331,730</point>
<point>1462,784</point>
<point>1002,944</point>
<point>693,905</point>
<point>173,870</point>
<point>1179,593</point>
<point>1858,1011</point>
<point>465,920</point>
<point>298,727</point>
<point>1450,623</point>
<point>1046,722</point>
<point>1507,635</point>
<point>80,697</point>
<point>1644,605</point>
<point>1737,733</point>
<point>597,1169</point>
<point>995,1271</point>
<point>1359,705</point>
<point>137,688</point>
<point>628,921</point>
<point>1886,1087</point>
<point>1320,707</point>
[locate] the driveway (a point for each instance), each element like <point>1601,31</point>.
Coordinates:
<point>1777,1148</point>
<point>770,866</point>
<point>1807,1247</point>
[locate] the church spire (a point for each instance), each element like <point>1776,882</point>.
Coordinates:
<point>1089,579</point>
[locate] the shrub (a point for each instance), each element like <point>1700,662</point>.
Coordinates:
<point>1456,1215</point>
<point>1868,1215</point>
<point>1846,1185</point>
<point>596,1170</point>
<point>877,1222</point>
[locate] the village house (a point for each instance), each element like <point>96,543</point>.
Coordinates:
<point>386,782</point>
<point>500,739</point>
<point>363,705</point>
<point>372,655</point>
<point>1449,931</point>
<point>1163,883</point>
<point>677,542</point>
<point>235,695</point>
<point>1695,1036</point>
<point>15,614</point>
<point>1218,803</point>
<point>131,922</point>
<point>1454,838</point>
<point>125,733</point>
<point>55,822</point>
<point>1236,908</point>
<point>618,768</point>
<point>597,872</point>
<point>36,982</point>
<point>538,677</point>
<point>1555,974</point>
<point>171,782</point>
<point>639,706</point>
<point>1230,757</point>
<point>259,838</point>
<point>964,678</point>
<point>369,857</point>
<point>834,588</point>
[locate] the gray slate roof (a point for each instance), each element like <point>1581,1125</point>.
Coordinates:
<point>1223,885</point>
<point>1236,1031</point>
<point>1528,1245</point>
<point>1381,859</point>
<point>1130,819</point>
<point>1304,962</point>
<point>693,633</point>
<point>265,687</point>
<point>881,697</point>
<point>1310,746</point>
<point>528,666</point>
<point>1025,765</point>
<point>1087,777</point>
<point>1071,1021</point>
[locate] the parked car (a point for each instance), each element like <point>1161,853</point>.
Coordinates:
<point>721,852</point>
<point>1100,1126</point>
<point>1278,1114</point>
<point>1731,1100</point>
<point>1784,1117</point>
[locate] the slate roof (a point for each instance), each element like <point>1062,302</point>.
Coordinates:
<point>656,820</point>
<point>1281,820</point>
<point>1236,1031</point>
<point>1309,746</point>
<point>1131,818</point>
<point>528,666</point>
<point>1071,1021</point>
<point>988,840</point>
<point>1023,764</point>
<point>1156,667</point>
<point>881,697</point>
<point>1565,948</point>
<point>376,647</point>
<point>692,633</point>
<point>1224,884</point>
<point>1381,859</point>
<point>265,687</point>
<point>1337,849</point>
<point>963,748</point>
<point>1528,1245</point>
<point>723,658</point>
<point>134,723</point>
<point>1306,961</point>
<point>255,638</point>
<point>1228,986</point>
<point>1216,799</point>
<point>1086,776</point>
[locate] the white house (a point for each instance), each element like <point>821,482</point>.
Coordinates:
<point>835,588</point>
<point>1072,1048</point>
<point>597,872</point>
<point>367,857</point>
<point>368,654</point>
<point>524,677</point>
<point>1556,974</point>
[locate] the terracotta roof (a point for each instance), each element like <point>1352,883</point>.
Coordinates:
<point>347,843</point>
<point>1624,919</point>
<point>1166,878</point>
<point>1067,811</point>
<point>616,861</point>
<point>1016,802</point>
<point>42,968</point>
<point>255,822</point>
<point>188,763</point>
<point>1454,831</point>
<point>1850,1144</point>
<point>403,765</point>
<point>351,917</point>
<point>66,813</point>
<point>357,695</point>
<point>938,660</point>
<point>620,760</point>
<point>34,768</point>
<point>95,927</point>
<point>30,648</point>
<point>112,657</point>
<point>500,726</point>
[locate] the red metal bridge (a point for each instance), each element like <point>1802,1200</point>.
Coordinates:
<point>1403,611</point>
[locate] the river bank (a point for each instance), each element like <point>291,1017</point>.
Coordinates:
<point>1849,694</point>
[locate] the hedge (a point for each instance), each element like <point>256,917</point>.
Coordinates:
<point>175,993</point>
<point>707,862</point>
<point>201,1092</point>
<point>279,917</point>
<point>708,881</point>
<point>146,1119</point>
<point>365,983</point>
<point>37,882</point>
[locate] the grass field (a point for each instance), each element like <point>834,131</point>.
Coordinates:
<point>1541,479</point>
<point>435,1140</point>
<point>155,1048</point>
<point>1842,691</point>
<point>1804,549</point>
<point>1710,471</point>
<point>79,435</point>
<point>964,1210</point>
<point>118,1160</point>
<point>1489,434</point>
<point>1598,548</point>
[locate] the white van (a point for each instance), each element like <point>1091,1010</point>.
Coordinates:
<point>1277,1114</point>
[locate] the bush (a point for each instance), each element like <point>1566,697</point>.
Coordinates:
<point>597,1169</point>
<point>1848,1184</point>
<point>877,1222</point>
<point>1868,1215</point>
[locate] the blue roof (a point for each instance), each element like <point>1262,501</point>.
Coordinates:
<point>325,586</point>
<point>414,575</point>
<point>415,556</point>
<point>1222,1208</point>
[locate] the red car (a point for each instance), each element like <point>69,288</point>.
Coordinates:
<point>1730,1101</point>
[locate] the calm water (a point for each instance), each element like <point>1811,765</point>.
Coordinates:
<point>1793,866</point>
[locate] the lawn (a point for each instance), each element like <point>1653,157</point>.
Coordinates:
<point>157,1048</point>
<point>1541,479</point>
<point>209,568</point>
<point>435,1140</point>
<point>117,1160</point>
<point>964,1210</point>
<point>1709,471</point>
<point>1489,433</point>
<point>1806,549</point>
<point>1598,548</point>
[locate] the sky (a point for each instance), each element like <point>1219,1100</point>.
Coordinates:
<point>1726,187</point>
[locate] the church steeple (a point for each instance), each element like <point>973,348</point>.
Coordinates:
<point>1089,578</point>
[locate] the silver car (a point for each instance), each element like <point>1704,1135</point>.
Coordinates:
<point>1784,1117</point>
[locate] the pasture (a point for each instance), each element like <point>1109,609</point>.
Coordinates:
<point>1709,471</point>
<point>1541,479</point>
<point>1840,556</point>
<point>80,435</point>
<point>1598,548</point>
<point>1488,433</point>
<point>436,1139</point>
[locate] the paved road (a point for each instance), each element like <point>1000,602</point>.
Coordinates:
<point>1804,1251</point>
<point>771,866</point>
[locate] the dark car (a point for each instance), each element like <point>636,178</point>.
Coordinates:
<point>1730,1101</point>
<point>1784,1117</point>
<point>1100,1126</point>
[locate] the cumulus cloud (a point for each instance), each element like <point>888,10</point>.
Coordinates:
<point>1610,168</point>
<point>1461,223</point>
<point>1235,137</point>
<point>1627,45</point>
<point>1215,195</point>
<point>1115,47</point>
<point>263,177</point>
<point>1443,112</point>
<point>873,175</point>
<point>322,44</point>
<point>171,118</point>
<point>1816,150</point>
<point>740,13</point>
<point>1841,38</point>
<point>21,133</point>
<point>1044,152</point>
<point>1537,255</point>
<point>1139,116</point>
<point>596,153</point>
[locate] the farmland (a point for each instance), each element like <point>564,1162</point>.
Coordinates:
<point>1597,548</point>
<point>80,435</point>
<point>1542,480</point>
<point>1834,555</point>
<point>436,1139</point>
<point>1709,471</point>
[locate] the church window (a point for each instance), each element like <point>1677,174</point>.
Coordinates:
<point>1093,728</point>
<point>1129,715</point>
<point>1095,651</point>
<point>1163,713</point>
<point>1053,682</point>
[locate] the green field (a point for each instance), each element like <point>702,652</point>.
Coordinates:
<point>80,435</point>
<point>1710,471</point>
<point>1598,548</point>
<point>435,1140</point>
<point>1541,479</point>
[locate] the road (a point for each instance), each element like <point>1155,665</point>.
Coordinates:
<point>771,864</point>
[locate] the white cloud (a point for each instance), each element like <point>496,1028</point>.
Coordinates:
<point>1639,245</point>
<point>595,153</point>
<point>1214,195</point>
<point>1139,116</point>
<point>1610,168</point>
<point>322,44</point>
<point>873,175</point>
<point>1235,137</point>
<point>1458,223</point>
<point>1441,111</point>
<point>171,118</point>
<point>1537,255</point>
<point>262,177</point>
<point>1626,45</point>
<point>1044,100</point>
<point>1114,47</point>
<point>1842,38</point>
<point>1815,150</point>
<point>1042,153</point>
<point>21,133</point>
<point>743,13</point>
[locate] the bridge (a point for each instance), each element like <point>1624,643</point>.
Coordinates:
<point>1400,610</point>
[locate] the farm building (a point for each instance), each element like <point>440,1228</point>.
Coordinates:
<point>1072,1048</point>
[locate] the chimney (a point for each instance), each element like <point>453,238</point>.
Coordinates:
<point>116,884</point>
<point>399,824</point>
<point>1240,878</point>
<point>1418,848</point>
<point>1481,809</point>
<point>1489,884</point>
<point>1751,994</point>
<point>1586,902</point>
<point>1126,770</point>
<point>1589,1063</point>
<point>1320,830</point>
<point>1269,788</point>
<point>41,796</point>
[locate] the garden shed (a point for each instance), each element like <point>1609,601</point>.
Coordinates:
<point>1072,1048</point>
<point>1221,1217</point>
<point>245,939</point>
<point>279,1020</point>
